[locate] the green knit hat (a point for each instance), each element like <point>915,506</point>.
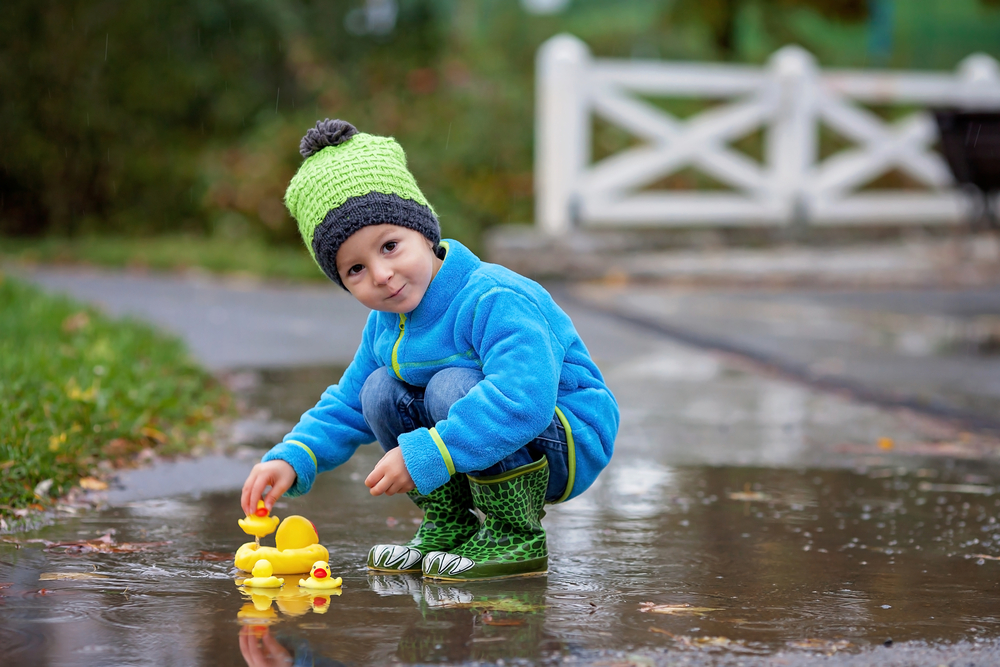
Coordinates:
<point>350,180</point>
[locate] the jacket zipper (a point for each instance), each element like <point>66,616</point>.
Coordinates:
<point>395,348</point>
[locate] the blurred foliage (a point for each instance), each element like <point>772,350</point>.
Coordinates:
<point>184,117</point>
<point>78,389</point>
<point>721,17</point>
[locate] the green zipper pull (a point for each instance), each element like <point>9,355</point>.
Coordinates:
<point>395,348</point>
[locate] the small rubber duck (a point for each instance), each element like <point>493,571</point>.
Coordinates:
<point>263,576</point>
<point>260,524</point>
<point>319,577</point>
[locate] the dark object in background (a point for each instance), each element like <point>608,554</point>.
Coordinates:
<point>970,141</point>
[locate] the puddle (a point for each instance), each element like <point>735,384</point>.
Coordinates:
<point>778,554</point>
<point>754,560</point>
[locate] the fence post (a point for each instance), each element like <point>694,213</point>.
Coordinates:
<point>562,146</point>
<point>792,137</point>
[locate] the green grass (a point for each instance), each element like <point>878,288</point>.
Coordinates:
<point>217,255</point>
<point>78,388</point>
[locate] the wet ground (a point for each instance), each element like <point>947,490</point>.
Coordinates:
<point>656,561</point>
<point>748,517</point>
<point>816,542</point>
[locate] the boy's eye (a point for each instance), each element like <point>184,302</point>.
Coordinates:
<point>389,246</point>
<point>357,268</point>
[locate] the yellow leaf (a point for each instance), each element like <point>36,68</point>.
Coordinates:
<point>69,576</point>
<point>886,443</point>
<point>153,434</point>
<point>56,441</point>
<point>93,484</point>
<point>675,609</point>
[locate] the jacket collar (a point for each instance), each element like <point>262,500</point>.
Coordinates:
<point>458,263</point>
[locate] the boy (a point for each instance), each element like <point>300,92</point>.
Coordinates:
<point>471,378</point>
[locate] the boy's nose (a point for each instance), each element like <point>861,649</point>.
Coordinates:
<point>381,274</point>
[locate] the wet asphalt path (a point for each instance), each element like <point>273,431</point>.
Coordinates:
<point>811,561</point>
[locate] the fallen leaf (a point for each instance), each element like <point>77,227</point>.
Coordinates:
<point>956,488</point>
<point>75,322</point>
<point>984,556</point>
<point>886,443</point>
<point>675,609</point>
<point>153,434</point>
<point>749,496</point>
<point>213,556</point>
<point>753,496</point>
<point>42,488</point>
<point>828,646</point>
<point>103,544</point>
<point>93,484</point>
<point>5,584</point>
<point>69,576</point>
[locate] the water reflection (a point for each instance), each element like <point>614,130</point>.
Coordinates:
<point>291,600</point>
<point>260,647</point>
<point>765,559</point>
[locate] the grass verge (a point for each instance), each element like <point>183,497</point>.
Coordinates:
<point>80,391</point>
<point>168,253</point>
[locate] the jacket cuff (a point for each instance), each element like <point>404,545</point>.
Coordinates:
<point>426,459</point>
<point>302,460</point>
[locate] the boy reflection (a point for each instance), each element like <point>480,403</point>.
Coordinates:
<point>262,649</point>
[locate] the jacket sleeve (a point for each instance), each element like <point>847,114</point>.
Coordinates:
<point>328,434</point>
<point>515,402</point>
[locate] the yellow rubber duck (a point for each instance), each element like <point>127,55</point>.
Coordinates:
<point>259,524</point>
<point>296,548</point>
<point>319,577</point>
<point>262,576</point>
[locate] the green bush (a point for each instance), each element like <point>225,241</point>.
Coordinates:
<point>150,117</point>
<point>77,388</point>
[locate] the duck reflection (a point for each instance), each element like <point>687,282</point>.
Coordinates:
<point>291,601</point>
<point>483,621</point>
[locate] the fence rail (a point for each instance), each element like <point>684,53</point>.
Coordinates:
<point>788,99</point>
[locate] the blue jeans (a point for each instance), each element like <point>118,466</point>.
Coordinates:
<point>392,407</point>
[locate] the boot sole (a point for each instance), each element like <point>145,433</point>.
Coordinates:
<point>435,577</point>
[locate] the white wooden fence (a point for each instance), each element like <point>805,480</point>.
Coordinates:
<point>788,98</point>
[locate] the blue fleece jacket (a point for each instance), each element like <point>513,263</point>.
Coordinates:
<point>473,315</point>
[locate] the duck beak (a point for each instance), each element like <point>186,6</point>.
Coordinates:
<point>319,573</point>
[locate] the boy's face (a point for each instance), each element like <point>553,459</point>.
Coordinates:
<point>387,267</point>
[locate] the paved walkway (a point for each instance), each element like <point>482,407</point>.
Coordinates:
<point>685,365</point>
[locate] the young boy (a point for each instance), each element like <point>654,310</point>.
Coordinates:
<point>472,379</point>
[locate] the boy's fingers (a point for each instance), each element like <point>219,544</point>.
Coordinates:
<point>247,498</point>
<point>382,486</point>
<point>257,492</point>
<point>272,497</point>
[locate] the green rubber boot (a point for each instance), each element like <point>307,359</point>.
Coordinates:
<point>511,540</point>
<point>448,522</point>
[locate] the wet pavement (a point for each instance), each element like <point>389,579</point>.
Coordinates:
<point>747,517</point>
<point>656,562</point>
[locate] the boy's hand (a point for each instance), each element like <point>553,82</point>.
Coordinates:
<point>390,476</point>
<point>277,474</point>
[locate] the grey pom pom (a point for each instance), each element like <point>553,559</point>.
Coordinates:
<point>326,133</point>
